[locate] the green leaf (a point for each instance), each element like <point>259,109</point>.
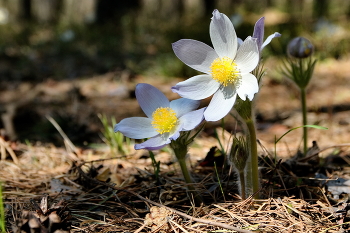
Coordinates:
<point>309,126</point>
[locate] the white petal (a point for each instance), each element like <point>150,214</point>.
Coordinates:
<point>182,106</point>
<point>247,56</point>
<point>219,106</point>
<point>268,39</point>
<point>154,143</point>
<point>248,87</point>
<point>150,98</point>
<point>228,91</point>
<point>136,127</point>
<point>196,88</point>
<point>192,119</point>
<point>195,54</point>
<point>223,35</point>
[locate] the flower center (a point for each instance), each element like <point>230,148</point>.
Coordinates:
<point>224,70</point>
<point>164,120</point>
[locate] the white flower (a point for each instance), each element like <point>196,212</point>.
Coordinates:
<point>227,70</point>
<point>165,119</point>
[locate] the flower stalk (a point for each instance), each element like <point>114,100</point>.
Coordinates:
<point>247,114</point>
<point>180,148</point>
<point>299,68</point>
<point>246,111</point>
<point>304,111</point>
<point>253,156</point>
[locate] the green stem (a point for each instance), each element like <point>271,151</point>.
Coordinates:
<point>197,199</point>
<point>186,173</point>
<point>254,157</point>
<point>180,151</point>
<point>304,110</point>
<point>242,182</point>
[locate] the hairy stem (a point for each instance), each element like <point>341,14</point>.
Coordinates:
<point>242,182</point>
<point>186,173</point>
<point>304,110</point>
<point>180,151</point>
<point>254,157</point>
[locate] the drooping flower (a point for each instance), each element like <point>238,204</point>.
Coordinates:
<point>227,69</point>
<point>165,119</point>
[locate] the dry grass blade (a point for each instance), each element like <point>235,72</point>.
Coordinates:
<point>5,147</point>
<point>141,228</point>
<point>176,224</point>
<point>67,141</point>
<point>233,216</point>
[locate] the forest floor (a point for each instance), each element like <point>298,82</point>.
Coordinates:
<point>77,183</point>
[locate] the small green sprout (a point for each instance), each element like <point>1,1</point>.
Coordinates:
<point>116,141</point>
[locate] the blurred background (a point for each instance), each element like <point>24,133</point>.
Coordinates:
<point>75,59</point>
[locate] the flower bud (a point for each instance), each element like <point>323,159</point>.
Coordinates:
<point>300,47</point>
<point>239,153</point>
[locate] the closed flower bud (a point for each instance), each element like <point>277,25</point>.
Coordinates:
<point>300,47</point>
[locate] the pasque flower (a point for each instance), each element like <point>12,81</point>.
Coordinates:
<point>165,119</point>
<point>300,47</point>
<point>227,68</point>
<point>259,34</point>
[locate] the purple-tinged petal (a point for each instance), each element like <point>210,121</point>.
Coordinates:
<point>258,33</point>
<point>239,41</point>
<point>192,119</point>
<point>136,127</point>
<point>247,56</point>
<point>182,106</point>
<point>223,35</point>
<point>175,136</point>
<point>219,106</point>
<point>195,54</point>
<point>269,39</point>
<point>150,98</point>
<point>196,88</point>
<point>154,143</point>
<point>248,87</point>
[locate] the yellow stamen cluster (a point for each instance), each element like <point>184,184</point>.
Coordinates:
<point>224,70</point>
<point>164,120</point>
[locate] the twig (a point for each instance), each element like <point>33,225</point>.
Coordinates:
<point>205,221</point>
<point>4,145</point>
